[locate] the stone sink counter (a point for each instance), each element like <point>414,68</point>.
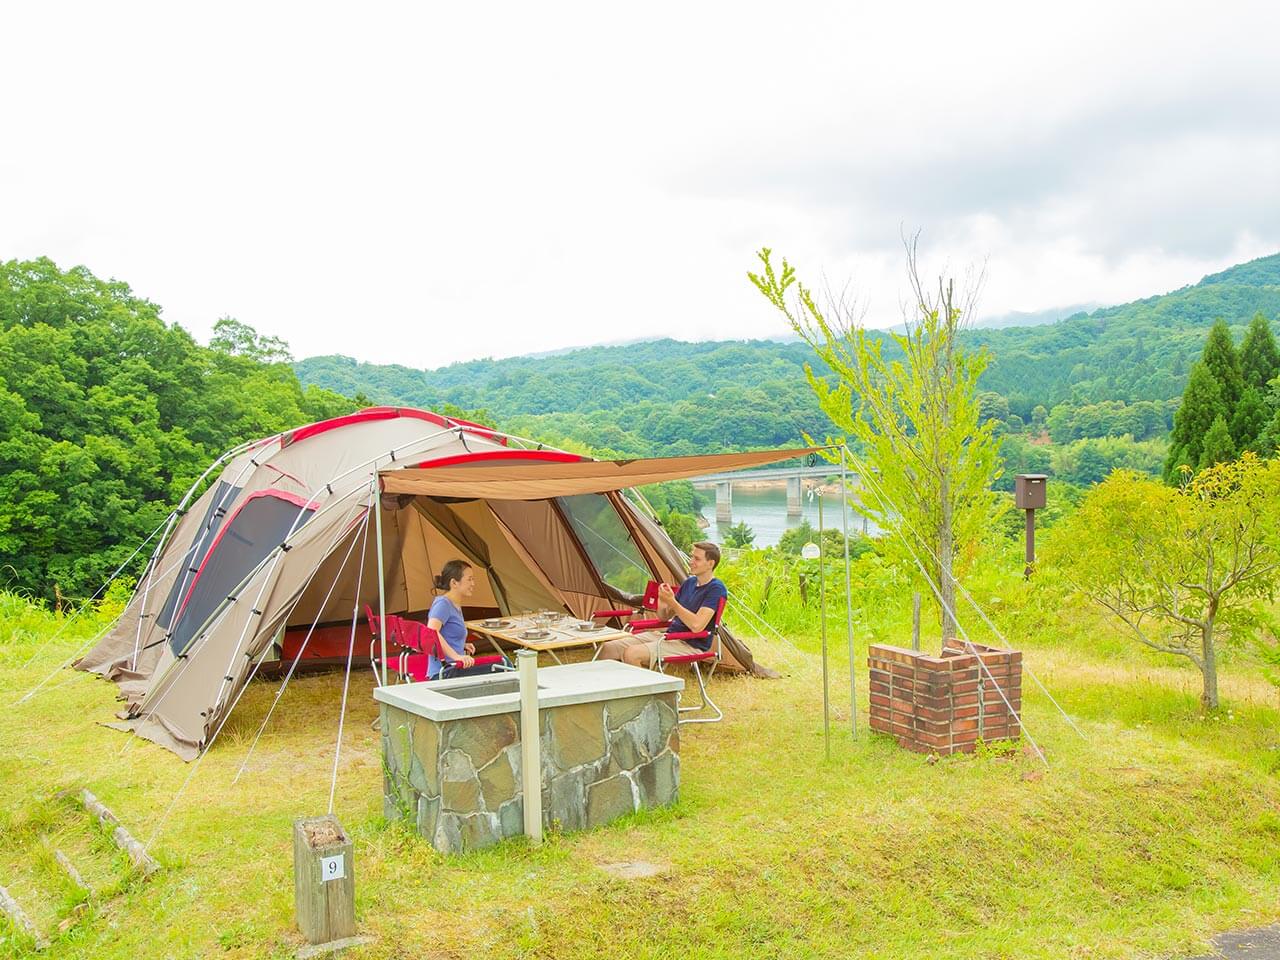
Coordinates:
<point>451,751</point>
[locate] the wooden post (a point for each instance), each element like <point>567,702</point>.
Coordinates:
<point>324,880</point>
<point>1031,545</point>
<point>915,621</point>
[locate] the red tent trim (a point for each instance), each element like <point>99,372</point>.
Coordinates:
<point>293,498</point>
<point>541,456</point>
<point>361,416</point>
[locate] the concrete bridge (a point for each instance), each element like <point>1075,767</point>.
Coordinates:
<point>723,482</point>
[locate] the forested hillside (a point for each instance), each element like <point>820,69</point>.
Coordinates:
<point>1138,351</point>
<point>669,396</point>
<point>659,395</point>
<point>107,415</point>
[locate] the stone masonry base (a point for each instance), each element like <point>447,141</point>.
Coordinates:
<point>459,781</point>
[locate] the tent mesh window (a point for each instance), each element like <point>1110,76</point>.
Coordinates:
<point>607,541</point>
<point>257,528</point>
<point>223,494</point>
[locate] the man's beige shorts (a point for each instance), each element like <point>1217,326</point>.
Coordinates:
<point>650,639</point>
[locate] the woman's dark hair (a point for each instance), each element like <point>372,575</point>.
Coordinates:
<point>452,571</point>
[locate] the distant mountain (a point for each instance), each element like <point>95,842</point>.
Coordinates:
<point>1265,271</point>
<point>1135,351</point>
<point>1035,318</point>
<point>669,396</point>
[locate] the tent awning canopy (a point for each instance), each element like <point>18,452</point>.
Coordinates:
<point>503,478</point>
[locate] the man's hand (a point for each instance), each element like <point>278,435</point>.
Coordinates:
<point>666,600</point>
<point>469,648</point>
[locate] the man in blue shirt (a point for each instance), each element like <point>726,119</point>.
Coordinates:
<point>690,610</point>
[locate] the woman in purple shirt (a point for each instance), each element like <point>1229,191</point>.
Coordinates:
<point>458,581</point>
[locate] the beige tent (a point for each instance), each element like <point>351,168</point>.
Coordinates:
<point>284,540</point>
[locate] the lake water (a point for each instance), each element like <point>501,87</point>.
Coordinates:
<point>765,511</point>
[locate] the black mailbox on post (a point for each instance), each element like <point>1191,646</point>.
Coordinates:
<point>1029,491</point>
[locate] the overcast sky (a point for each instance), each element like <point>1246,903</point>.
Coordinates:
<point>428,183</point>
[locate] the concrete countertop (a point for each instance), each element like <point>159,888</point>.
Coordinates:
<point>557,687</point>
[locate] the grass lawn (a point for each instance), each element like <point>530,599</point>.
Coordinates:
<point>1159,830</point>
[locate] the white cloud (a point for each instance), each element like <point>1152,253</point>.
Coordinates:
<point>422,184</point>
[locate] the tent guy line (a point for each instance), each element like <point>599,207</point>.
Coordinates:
<point>283,546</point>
<point>216,514</point>
<point>240,693</point>
<point>206,631</point>
<point>293,665</point>
<point>885,502</point>
<point>879,490</point>
<point>40,647</point>
<point>374,510</point>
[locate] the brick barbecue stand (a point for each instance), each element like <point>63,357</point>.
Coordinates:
<point>945,704</point>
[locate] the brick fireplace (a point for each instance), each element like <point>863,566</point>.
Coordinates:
<point>945,704</point>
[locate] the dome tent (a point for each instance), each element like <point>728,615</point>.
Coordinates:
<point>283,539</point>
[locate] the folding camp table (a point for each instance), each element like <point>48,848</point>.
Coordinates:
<point>560,635</point>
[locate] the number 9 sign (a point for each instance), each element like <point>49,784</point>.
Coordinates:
<point>332,868</point>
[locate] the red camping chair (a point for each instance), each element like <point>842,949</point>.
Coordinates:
<point>712,655</point>
<point>395,638</point>
<point>649,602</point>
<point>417,643</point>
<point>428,642</point>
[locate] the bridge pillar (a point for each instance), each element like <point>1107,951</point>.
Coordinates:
<point>794,499</point>
<point>724,502</point>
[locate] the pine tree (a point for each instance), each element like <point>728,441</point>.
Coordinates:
<point>1224,363</point>
<point>1218,447</point>
<point>1259,357</point>
<point>1249,420</point>
<point>1202,404</point>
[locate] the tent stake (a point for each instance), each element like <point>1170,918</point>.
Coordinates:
<point>382,596</point>
<point>848,592</point>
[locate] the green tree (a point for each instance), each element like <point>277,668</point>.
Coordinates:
<point>1218,447</point>
<point>1183,568</point>
<point>1259,357</point>
<point>1249,420</point>
<point>1224,363</point>
<point>237,339</point>
<point>682,528</point>
<point>739,535</point>
<point>793,539</point>
<point>107,415</point>
<point>1202,404</point>
<point>917,419</point>
<point>992,406</point>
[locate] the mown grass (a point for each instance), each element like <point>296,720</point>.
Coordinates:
<point>1139,841</point>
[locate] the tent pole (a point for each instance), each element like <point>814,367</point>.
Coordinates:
<point>848,592</point>
<point>382,595</point>
<point>826,685</point>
